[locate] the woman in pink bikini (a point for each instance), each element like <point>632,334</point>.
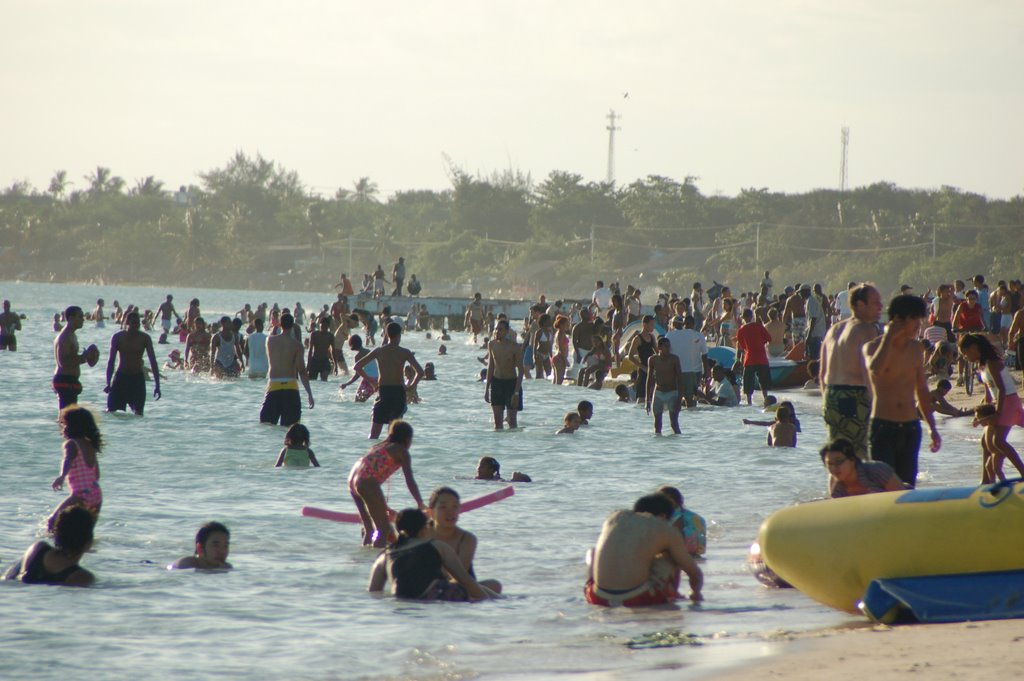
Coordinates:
<point>370,472</point>
<point>82,442</point>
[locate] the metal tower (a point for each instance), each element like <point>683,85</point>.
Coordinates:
<point>612,116</point>
<point>843,177</point>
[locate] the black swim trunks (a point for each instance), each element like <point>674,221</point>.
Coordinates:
<point>390,404</point>
<point>503,392</point>
<point>127,390</point>
<point>319,367</point>
<point>68,388</point>
<point>281,406</point>
<point>8,342</point>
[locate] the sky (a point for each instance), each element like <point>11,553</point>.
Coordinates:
<point>739,94</point>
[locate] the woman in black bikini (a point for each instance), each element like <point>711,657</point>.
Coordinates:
<point>45,564</point>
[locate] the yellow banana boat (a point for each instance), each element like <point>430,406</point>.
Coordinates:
<point>831,550</point>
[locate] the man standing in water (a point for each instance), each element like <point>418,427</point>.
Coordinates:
<point>166,311</point>
<point>255,351</point>
<point>474,322</point>
<point>319,361</point>
<point>639,556</point>
<point>284,353</point>
<point>895,363</point>
<point>69,361</point>
<point>846,402</point>
<point>389,383</point>
<point>226,351</point>
<point>9,323</point>
<point>503,389</point>
<point>664,385</point>
<point>128,387</point>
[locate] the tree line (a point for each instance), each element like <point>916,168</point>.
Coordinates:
<point>254,224</point>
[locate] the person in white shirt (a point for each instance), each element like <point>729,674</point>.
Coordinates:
<point>602,297</point>
<point>843,301</point>
<point>690,346</point>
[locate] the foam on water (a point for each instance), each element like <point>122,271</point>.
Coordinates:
<point>296,607</point>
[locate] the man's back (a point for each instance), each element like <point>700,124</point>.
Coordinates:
<point>688,345</point>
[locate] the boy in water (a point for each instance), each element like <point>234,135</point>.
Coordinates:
<point>664,385</point>
<point>212,544</point>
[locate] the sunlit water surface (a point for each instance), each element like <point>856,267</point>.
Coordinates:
<point>296,607</point>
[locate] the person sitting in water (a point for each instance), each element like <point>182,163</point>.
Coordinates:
<point>767,424</point>
<point>428,372</point>
<point>417,565</point>
<point>412,396</point>
<point>638,558</point>
<point>212,546</point>
<point>625,393</point>
<point>849,476</point>
<point>691,525</point>
<point>174,360</point>
<point>488,468</point>
<point>296,451</point>
<point>782,433</point>
<point>45,564</point>
<point>444,505</point>
<point>570,424</point>
<point>442,349</point>
<point>813,368</point>
<point>940,405</point>
<point>723,392</point>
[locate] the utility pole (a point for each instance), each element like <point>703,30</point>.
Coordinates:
<point>612,116</point>
<point>757,248</point>
<point>591,244</point>
<point>350,254</point>
<point>844,158</point>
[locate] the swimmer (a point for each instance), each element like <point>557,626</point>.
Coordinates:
<point>570,424</point>
<point>586,411</point>
<point>428,372</point>
<point>488,468</point>
<point>416,565</point>
<point>296,452</point>
<point>366,388</point>
<point>174,360</point>
<point>442,349</point>
<point>80,467</point>
<point>782,433</point>
<point>58,564</point>
<point>212,545</point>
<point>625,393</point>
<point>370,472</point>
<point>444,506</point>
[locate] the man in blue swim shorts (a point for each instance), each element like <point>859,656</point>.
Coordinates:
<point>664,384</point>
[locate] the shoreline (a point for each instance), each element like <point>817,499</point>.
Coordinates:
<point>962,650</point>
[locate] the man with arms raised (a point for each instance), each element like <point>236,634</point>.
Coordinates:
<point>503,389</point>
<point>846,402</point>
<point>281,404</point>
<point>69,361</point>
<point>895,363</point>
<point>638,558</point>
<point>390,385</point>
<point>127,387</point>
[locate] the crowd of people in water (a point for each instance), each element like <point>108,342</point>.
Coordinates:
<point>878,381</point>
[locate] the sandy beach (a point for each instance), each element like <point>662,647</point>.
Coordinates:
<point>969,650</point>
<point>966,650</point>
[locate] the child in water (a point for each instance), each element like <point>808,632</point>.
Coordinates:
<point>80,467</point>
<point>365,390</point>
<point>212,546</point>
<point>371,471</point>
<point>488,468</point>
<point>412,396</point>
<point>782,433</point>
<point>570,424</point>
<point>296,452</point>
<point>690,524</point>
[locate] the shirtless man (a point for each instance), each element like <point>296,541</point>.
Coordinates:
<point>281,402</point>
<point>345,285</point>
<point>895,363</point>
<point>582,336</point>
<point>320,360</point>
<point>10,322</point>
<point>638,558</point>
<point>340,306</point>
<point>69,361</point>
<point>166,311</point>
<point>664,385</point>
<point>503,389</point>
<point>474,321</point>
<point>390,382</point>
<point>846,402</point>
<point>777,330</point>
<point>226,350</point>
<point>795,313</point>
<point>255,350</point>
<point>943,308</point>
<point>97,314</point>
<point>127,387</point>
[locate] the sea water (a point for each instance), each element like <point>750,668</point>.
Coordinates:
<point>296,606</point>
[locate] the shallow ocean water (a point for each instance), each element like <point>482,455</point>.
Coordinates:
<point>295,606</point>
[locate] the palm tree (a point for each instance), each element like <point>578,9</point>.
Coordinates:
<point>58,184</point>
<point>148,186</point>
<point>101,181</point>
<point>366,191</point>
